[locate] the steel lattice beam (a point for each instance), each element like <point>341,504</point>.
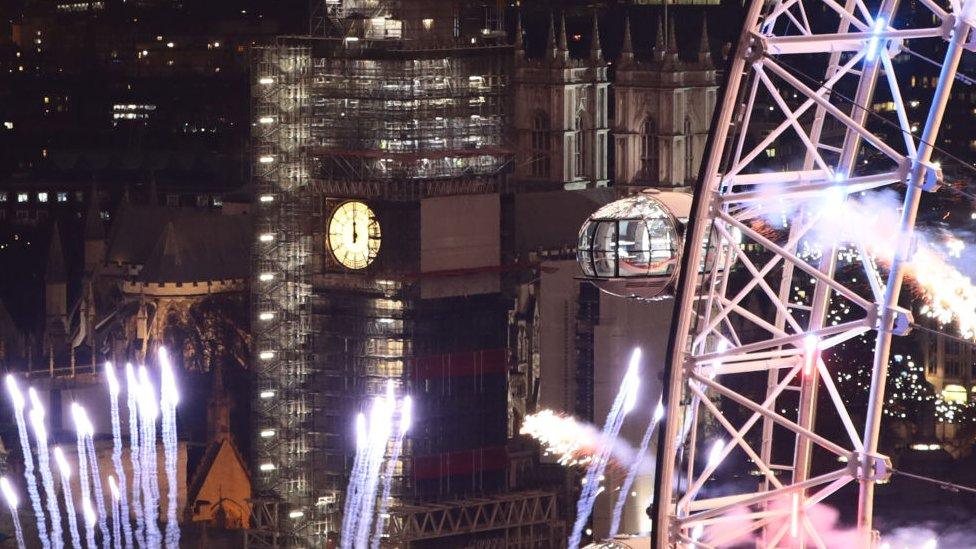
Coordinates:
<point>735,315</point>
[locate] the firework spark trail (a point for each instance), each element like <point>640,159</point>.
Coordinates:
<point>406,418</point>
<point>44,466</point>
<point>380,426</point>
<point>131,399</point>
<point>147,437</point>
<point>618,507</point>
<point>12,502</point>
<point>352,491</point>
<point>624,402</point>
<point>17,399</point>
<point>64,468</point>
<point>116,527</point>
<point>113,391</point>
<point>169,398</point>
<point>96,478</point>
<point>90,521</point>
<point>81,428</point>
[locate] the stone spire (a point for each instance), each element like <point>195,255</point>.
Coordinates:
<point>671,52</point>
<point>563,47</point>
<point>54,271</point>
<point>551,39</point>
<point>659,49</point>
<point>596,53</point>
<point>627,49</point>
<point>705,48</point>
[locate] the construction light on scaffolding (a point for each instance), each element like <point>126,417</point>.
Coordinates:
<point>266,198</point>
<point>267,433</point>
<point>267,394</point>
<point>296,514</point>
<point>266,159</point>
<point>266,277</point>
<point>267,467</point>
<point>266,355</point>
<point>266,120</point>
<point>266,80</point>
<point>266,237</point>
<point>266,316</point>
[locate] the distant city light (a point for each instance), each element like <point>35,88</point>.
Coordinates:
<point>926,447</point>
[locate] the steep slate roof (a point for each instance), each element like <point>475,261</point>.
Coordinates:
<point>181,244</point>
<point>197,248</point>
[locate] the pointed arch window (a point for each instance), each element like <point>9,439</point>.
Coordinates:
<point>539,159</point>
<point>649,159</point>
<point>689,151</point>
<point>579,155</point>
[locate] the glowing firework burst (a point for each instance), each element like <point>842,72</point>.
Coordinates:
<point>948,295</point>
<point>573,442</point>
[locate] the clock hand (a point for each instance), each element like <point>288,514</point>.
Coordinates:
<point>355,235</point>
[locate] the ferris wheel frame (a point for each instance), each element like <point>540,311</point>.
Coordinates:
<point>705,350</point>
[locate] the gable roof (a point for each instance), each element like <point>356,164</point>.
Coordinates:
<point>181,244</point>
<point>206,464</point>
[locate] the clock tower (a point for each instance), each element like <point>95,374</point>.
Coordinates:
<point>379,161</point>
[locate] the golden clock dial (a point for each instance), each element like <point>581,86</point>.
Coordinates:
<point>354,235</point>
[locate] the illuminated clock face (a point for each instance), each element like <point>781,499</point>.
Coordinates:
<point>354,235</point>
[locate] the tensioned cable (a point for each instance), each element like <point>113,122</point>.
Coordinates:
<point>960,339</point>
<point>959,76</point>
<point>950,486</point>
<point>870,112</point>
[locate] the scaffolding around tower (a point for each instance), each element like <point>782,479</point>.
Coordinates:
<point>392,103</point>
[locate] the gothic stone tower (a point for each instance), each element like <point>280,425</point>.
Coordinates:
<point>664,106</point>
<point>560,114</point>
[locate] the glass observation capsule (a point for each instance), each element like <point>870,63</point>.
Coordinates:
<point>632,247</point>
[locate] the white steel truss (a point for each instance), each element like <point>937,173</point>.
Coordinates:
<point>521,519</point>
<point>745,352</point>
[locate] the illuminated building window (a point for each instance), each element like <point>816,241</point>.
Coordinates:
<point>42,197</point>
<point>22,197</point>
<point>3,196</point>
<point>540,146</point>
<point>649,151</point>
<point>580,148</point>
<point>955,393</point>
<point>62,197</point>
